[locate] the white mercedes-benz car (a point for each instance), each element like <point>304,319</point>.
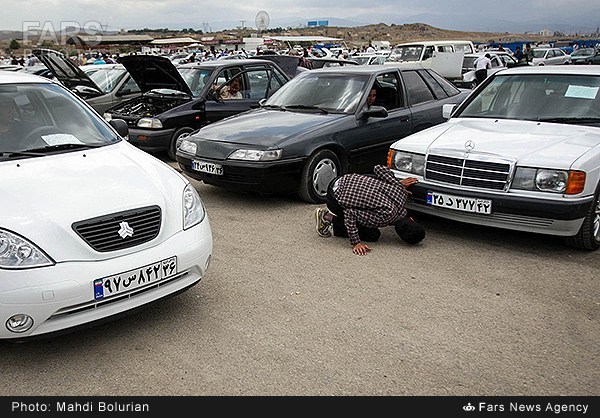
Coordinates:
<point>521,152</point>
<point>91,227</point>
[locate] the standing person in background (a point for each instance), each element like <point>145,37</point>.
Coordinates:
<point>304,62</point>
<point>518,54</point>
<point>528,53</point>
<point>481,66</point>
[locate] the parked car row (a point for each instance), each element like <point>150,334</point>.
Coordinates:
<point>316,127</point>
<point>521,152</point>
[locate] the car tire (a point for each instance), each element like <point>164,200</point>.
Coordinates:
<point>176,139</point>
<point>588,237</point>
<point>321,168</point>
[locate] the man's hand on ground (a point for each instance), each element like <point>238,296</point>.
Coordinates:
<point>361,249</point>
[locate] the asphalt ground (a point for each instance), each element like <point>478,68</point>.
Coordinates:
<point>470,311</point>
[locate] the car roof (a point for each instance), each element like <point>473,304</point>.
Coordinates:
<point>10,77</point>
<point>555,69</point>
<point>224,63</point>
<point>368,69</point>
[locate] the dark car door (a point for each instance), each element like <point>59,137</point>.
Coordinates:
<point>255,84</point>
<point>369,140</point>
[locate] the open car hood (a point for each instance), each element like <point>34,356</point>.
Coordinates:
<point>153,72</point>
<point>64,69</point>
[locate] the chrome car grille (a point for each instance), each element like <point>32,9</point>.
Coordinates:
<point>468,172</point>
<point>102,233</point>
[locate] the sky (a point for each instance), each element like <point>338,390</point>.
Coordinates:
<point>214,16</point>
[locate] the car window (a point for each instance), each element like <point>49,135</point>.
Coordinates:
<point>262,83</point>
<point>129,87</point>
<point>418,91</point>
<point>107,78</point>
<point>433,84</point>
<point>389,91</point>
<point>428,52</point>
<point>33,116</point>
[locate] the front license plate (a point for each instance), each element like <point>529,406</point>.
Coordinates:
<point>465,204</point>
<point>205,167</point>
<point>133,279</point>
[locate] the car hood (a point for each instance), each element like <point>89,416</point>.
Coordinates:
<point>153,72</point>
<point>64,69</point>
<point>266,127</point>
<point>530,143</point>
<point>42,197</point>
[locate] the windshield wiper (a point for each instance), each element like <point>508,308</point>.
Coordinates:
<point>273,107</point>
<point>570,120</point>
<point>320,109</point>
<point>61,147</point>
<point>10,154</point>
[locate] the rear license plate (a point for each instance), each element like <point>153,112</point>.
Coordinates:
<point>465,204</point>
<point>206,167</point>
<point>133,279</point>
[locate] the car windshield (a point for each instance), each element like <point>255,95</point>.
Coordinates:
<point>335,93</point>
<point>39,118</point>
<point>406,53</point>
<point>106,78</point>
<point>566,98</point>
<point>583,52</point>
<point>195,78</point>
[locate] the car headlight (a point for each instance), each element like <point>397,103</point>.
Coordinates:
<point>255,155</point>
<point>546,180</point>
<point>407,162</point>
<point>17,252</point>
<point>188,147</point>
<point>149,123</point>
<point>193,209</point>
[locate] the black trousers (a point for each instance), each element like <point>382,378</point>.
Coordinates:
<point>339,229</point>
<point>481,75</point>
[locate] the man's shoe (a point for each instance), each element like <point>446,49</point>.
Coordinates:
<point>323,225</point>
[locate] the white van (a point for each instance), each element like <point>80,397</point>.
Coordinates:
<point>445,57</point>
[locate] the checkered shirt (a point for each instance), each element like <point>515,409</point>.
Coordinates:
<point>371,202</point>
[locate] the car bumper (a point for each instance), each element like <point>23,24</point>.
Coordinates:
<point>521,213</point>
<point>151,141</point>
<point>259,177</point>
<point>61,298</point>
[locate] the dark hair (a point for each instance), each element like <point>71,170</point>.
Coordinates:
<point>410,231</point>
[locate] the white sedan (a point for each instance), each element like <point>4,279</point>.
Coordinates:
<point>550,56</point>
<point>521,152</point>
<point>91,227</point>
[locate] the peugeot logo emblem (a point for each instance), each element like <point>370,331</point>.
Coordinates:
<point>469,145</point>
<point>126,230</point>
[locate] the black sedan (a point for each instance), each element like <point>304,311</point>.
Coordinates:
<point>316,127</point>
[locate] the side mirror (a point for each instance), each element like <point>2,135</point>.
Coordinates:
<point>375,112</point>
<point>86,92</point>
<point>120,126</point>
<point>447,110</point>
